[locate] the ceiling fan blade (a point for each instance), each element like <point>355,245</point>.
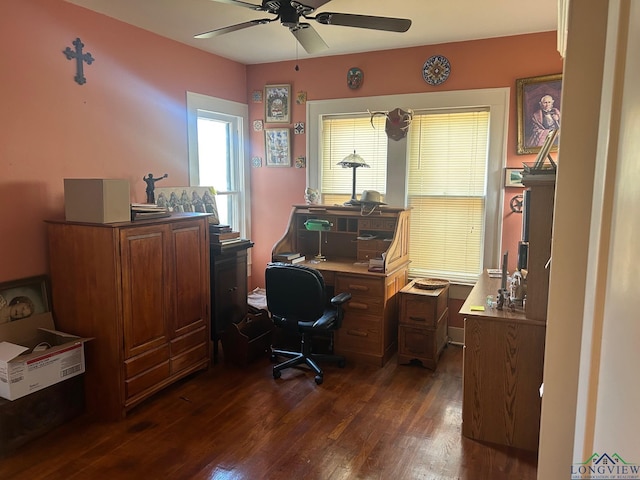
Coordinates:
<point>233,28</point>
<point>364,21</point>
<point>240,4</point>
<point>309,39</point>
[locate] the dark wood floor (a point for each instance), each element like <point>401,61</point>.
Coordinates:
<point>364,422</point>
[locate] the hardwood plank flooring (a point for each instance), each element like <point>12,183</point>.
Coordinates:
<point>231,423</point>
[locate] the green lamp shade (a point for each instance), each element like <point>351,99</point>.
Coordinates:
<point>317,225</point>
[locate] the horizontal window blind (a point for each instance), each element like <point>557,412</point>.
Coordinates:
<point>447,193</point>
<point>341,135</point>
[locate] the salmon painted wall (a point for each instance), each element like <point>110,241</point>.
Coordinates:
<point>478,64</point>
<point>129,118</point>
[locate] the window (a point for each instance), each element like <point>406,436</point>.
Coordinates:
<point>448,171</point>
<point>446,192</point>
<point>343,135</point>
<point>216,129</point>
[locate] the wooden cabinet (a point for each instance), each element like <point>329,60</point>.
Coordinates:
<point>540,212</point>
<point>369,330</point>
<point>422,331</point>
<point>504,349</point>
<point>228,287</point>
<point>502,373</point>
<point>141,290</point>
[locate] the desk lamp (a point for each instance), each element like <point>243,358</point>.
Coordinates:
<point>317,225</point>
<point>354,161</point>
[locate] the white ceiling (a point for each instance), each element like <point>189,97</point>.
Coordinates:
<point>434,22</point>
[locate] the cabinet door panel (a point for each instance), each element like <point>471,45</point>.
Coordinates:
<point>190,272</point>
<point>144,294</point>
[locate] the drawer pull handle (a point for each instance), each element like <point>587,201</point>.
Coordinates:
<point>358,306</point>
<point>417,319</point>
<point>359,288</point>
<point>357,333</point>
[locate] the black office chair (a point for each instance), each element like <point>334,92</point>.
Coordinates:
<point>297,301</point>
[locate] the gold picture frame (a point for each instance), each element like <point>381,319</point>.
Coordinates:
<point>533,125</point>
<point>277,103</point>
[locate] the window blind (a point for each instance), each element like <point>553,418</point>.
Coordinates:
<point>448,154</point>
<point>341,135</point>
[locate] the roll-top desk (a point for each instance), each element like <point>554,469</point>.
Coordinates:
<point>369,331</point>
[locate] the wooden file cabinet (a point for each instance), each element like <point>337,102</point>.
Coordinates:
<point>502,373</point>
<point>423,322</point>
<point>141,290</point>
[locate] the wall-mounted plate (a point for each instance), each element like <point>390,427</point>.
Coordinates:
<point>436,70</point>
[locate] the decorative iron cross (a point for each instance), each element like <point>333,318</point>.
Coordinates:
<point>80,59</point>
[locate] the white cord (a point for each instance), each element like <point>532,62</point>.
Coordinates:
<point>41,347</point>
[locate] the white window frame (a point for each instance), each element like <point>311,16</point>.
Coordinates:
<point>237,114</point>
<point>496,99</point>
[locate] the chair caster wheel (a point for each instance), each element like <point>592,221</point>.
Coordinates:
<point>277,374</point>
<point>274,358</point>
<point>341,363</point>
<point>319,379</point>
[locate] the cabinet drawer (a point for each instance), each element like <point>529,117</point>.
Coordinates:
<point>360,286</point>
<point>189,358</point>
<point>135,365</point>
<point>417,342</point>
<point>418,311</point>
<point>359,334</point>
<point>147,379</point>
<point>188,341</point>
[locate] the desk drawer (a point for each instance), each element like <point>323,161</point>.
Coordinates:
<point>364,305</point>
<point>360,286</point>
<point>360,334</point>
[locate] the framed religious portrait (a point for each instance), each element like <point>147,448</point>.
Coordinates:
<point>277,103</point>
<point>277,147</point>
<point>538,111</point>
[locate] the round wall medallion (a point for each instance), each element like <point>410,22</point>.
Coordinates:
<point>355,76</point>
<point>436,70</point>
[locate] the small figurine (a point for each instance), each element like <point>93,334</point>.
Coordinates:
<point>311,196</point>
<point>151,185</point>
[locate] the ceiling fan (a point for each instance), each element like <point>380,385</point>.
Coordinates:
<point>289,13</point>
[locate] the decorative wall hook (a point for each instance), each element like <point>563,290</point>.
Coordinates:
<point>80,59</point>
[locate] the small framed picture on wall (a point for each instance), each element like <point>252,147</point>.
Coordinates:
<point>277,147</point>
<point>277,103</point>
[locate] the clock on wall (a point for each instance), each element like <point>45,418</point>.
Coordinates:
<point>436,70</point>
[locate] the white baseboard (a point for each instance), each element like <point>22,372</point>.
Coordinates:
<point>456,335</point>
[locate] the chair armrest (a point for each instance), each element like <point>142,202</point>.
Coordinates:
<point>340,299</point>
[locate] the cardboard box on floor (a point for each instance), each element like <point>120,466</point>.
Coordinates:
<point>23,371</point>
